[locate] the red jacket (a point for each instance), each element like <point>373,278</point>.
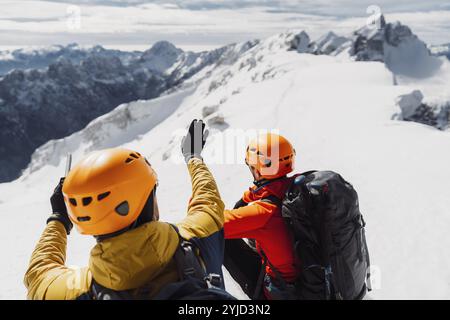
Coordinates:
<point>262,221</point>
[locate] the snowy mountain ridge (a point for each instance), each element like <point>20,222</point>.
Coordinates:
<point>248,62</point>
<point>37,105</point>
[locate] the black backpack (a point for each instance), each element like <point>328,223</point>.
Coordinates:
<point>194,283</point>
<point>322,210</point>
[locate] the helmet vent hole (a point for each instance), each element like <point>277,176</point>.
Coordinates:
<point>129,160</point>
<point>134,155</point>
<point>123,208</point>
<point>87,200</point>
<point>84,219</point>
<point>286,158</point>
<point>138,154</point>
<point>73,202</point>
<point>103,195</point>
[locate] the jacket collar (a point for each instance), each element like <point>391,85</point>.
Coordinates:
<point>264,182</point>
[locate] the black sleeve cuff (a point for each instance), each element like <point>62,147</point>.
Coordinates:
<point>63,219</point>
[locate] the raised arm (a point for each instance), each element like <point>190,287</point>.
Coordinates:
<point>205,211</point>
<point>47,277</point>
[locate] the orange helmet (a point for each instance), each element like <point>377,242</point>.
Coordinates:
<point>107,190</point>
<point>271,155</point>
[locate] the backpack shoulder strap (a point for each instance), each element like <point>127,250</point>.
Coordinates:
<point>187,261</point>
<point>297,179</point>
<point>273,199</point>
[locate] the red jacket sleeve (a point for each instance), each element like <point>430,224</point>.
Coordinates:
<point>245,222</point>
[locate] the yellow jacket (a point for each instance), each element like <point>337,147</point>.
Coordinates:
<point>137,260</point>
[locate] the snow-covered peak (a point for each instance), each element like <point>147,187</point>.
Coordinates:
<point>330,43</point>
<point>299,41</point>
<point>397,46</point>
<point>161,56</point>
<point>42,57</point>
<point>162,48</point>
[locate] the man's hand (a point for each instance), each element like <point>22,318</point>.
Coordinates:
<point>59,207</point>
<point>194,141</point>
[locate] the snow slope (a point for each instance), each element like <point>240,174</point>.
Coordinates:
<point>337,114</point>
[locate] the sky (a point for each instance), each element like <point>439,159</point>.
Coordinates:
<point>203,24</point>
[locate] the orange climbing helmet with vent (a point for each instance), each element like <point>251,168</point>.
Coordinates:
<point>107,190</point>
<point>271,155</point>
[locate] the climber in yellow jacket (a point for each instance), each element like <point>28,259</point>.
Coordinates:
<point>111,194</point>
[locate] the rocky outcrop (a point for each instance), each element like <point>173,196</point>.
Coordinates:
<point>412,108</point>
<point>299,42</point>
<point>330,44</point>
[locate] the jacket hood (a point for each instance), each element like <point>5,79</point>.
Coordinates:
<point>134,258</point>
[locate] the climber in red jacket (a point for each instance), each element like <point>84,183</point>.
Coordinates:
<point>267,256</point>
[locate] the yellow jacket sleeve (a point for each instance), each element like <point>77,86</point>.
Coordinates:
<point>47,277</point>
<point>205,211</point>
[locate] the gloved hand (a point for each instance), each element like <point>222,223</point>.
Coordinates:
<point>59,207</point>
<point>194,141</point>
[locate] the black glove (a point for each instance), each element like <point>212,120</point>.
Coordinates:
<point>59,207</point>
<point>194,141</point>
<point>241,203</point>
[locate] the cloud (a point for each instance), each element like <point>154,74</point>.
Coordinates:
<point>204,22</point>
<point>345,8</point>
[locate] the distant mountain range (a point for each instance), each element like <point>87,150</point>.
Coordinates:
<point>67,87</point>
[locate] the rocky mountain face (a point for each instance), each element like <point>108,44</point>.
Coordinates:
<point>395,45</point>
<point>37,105</point>
<point>331,44</point>
<point>413,108</point>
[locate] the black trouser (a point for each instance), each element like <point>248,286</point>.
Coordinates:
<point>244,265</point>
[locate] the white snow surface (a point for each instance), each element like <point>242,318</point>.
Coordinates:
<point>336,112</point>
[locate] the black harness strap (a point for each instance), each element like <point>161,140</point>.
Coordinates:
<point>187,261</point>
<point>273,199</point>
<point>259,283</point>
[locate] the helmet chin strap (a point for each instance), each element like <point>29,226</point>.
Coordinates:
<point>144,217</point>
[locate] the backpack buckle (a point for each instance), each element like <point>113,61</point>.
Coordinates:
<point>213,280</point>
